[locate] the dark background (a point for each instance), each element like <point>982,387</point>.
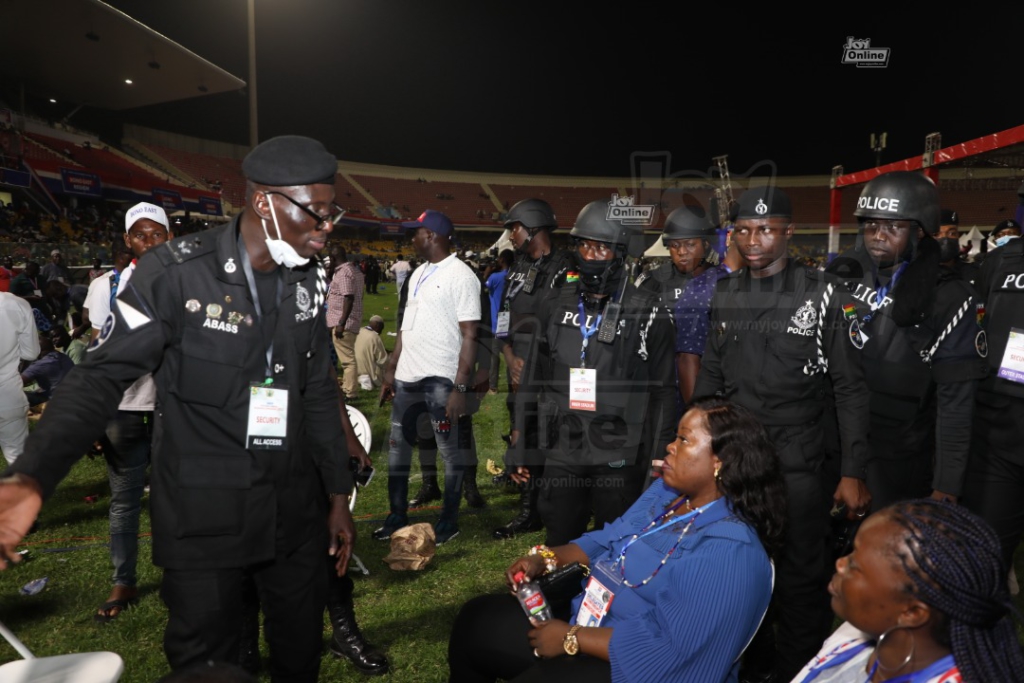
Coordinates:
<point>572,89</point>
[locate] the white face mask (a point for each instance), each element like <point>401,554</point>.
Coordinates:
<point>283,253</point>
<point>1002,241</point>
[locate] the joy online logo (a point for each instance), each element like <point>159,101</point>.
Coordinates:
<point>858,51</point>
<point>623,210</point>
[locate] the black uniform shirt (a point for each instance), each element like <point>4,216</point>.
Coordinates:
<point>772,363</point>
<point>903,364</point>
<point>187,317</point>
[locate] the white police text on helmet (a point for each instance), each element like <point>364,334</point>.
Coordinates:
<point>878,203</point>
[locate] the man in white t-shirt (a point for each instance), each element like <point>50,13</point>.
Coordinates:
<point>430,369</point>
<point>128,436</point>
<point>400,269</point>
<point>18,341</point>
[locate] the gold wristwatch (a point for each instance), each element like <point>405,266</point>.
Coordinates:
<point>571,644</point>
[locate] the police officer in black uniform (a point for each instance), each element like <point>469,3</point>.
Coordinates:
<point>537,272</point>
<point>948,238</point>
<point>923,347</point>
<point>687,236</point>
<point>995,478</point>
<point>611,348</point>
<point>248,445</point>
<point>776,330</point>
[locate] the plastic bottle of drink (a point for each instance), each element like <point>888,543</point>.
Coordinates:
<point>531,597</point>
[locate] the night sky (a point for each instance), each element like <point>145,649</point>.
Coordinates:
<point>571,89</point>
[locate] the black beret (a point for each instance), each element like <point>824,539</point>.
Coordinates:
<point>949,217</point>
<point>290,160</point>
<point>764,202</point>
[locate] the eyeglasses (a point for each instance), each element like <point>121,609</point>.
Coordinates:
<point>890,228</point>
<point>336,211</point>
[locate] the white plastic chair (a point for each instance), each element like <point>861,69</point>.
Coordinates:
<point>86,667</point>
<point>361,427</point>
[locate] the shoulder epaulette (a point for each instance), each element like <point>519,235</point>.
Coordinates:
<point>181,249</point>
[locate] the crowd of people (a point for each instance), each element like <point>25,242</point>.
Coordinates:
<point>697,439</point>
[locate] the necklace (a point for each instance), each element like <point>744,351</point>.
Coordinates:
<point>689,518</point>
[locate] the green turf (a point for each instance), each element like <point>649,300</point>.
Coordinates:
<point>407,613</point>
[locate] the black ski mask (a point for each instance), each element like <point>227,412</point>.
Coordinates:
<point>599,277</point>
<point>949,249</point>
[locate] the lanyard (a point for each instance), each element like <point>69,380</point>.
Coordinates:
<point>945,666</point>
<point>833,658</point>
<point>882,291</point>
<point>689,517</point>
<point>251,281</point>
<point>587,331</point>
<point>423,278</point>
<point>115,280</point>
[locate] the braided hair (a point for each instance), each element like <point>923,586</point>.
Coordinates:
<point>955,566</point>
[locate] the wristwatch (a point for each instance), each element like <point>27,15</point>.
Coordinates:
<point>571,645</point>
<point>461,388</point>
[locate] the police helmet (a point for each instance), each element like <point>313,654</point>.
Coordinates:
<point>593,224</point>
<point>901,196</point>
<point>686,223</point>
<point>532,213</point>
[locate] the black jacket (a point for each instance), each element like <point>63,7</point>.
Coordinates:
<point>187,317</point>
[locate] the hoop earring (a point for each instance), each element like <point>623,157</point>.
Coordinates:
<point>878,647</point>
<point>718,469</point>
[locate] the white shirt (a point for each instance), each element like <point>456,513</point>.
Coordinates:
<point>142,394</point>
<point>18,341</point>
<point>441,295</point>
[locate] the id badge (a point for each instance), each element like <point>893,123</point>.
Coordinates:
<point>583,389</point>
<point>409,317</point>
<point>501,327</point>
<point>268,418</point>
<point>1011,367</point>
<point>598,595</point>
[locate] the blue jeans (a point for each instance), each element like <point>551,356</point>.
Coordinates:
<point>126,447</point>
<point>412,399</point>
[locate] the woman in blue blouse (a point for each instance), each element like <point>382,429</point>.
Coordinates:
<point>678,585</point>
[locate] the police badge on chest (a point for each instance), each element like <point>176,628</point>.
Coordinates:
<point>804,320</point>
<point>303,303</point>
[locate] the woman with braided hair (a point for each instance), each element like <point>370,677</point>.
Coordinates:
<point>924,599</point>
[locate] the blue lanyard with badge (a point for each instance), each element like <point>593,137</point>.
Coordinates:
<point>583,380</point>
<point>608,577</point>
<point>267,426</point>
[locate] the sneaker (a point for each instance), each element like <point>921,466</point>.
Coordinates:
<point>393,523</point>
<point>445,531</point>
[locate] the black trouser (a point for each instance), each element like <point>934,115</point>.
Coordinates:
<point>900,465</point>
<point>569,494</point>
<point>488,641</point>
<point>801,607</point>
<point>994,486</point>
<point>205,608</point>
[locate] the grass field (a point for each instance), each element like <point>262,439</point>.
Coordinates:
<point>407,613</point>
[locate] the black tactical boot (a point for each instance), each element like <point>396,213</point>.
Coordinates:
<point>528,518</point>
<point>469,489</point>
<point>428,492</point>
<point>347,640</point>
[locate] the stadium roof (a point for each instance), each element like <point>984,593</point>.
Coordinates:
<point>82,52</point>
